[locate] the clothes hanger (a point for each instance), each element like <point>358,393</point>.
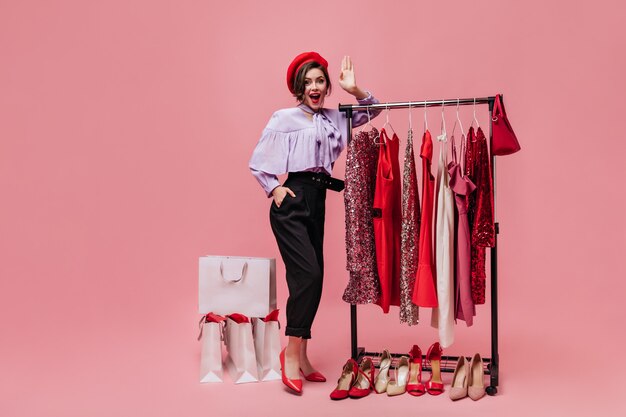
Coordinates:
<point>463,146</point>
<point>369,121</point>
<point>443,118</point>
<point>453,139</point>
<point>425,119</point>
<point>458,119</point>
<point>443,136</point>
<point>370,125</point>
<point>475,119</point>
<point>387,121</point>
<point>410,133</point>
<point>371,128</point>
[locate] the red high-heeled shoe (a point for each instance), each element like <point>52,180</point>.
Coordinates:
<point>293,384</point>
<point>364,381</point>
<point>314,376</point>
<point>434,386</point>
<point>415,386</point>
<point>346,380</point>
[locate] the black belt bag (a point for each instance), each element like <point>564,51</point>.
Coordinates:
<point>319,179</point>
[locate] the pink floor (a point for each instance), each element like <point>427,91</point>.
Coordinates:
<point>151,368</point>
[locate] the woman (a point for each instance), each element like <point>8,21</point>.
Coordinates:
<point>304,141</point>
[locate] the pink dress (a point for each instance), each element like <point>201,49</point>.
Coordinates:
<point>462,187</point>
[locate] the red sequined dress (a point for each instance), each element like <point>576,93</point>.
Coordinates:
<point>361,163</point>
<point>480,209</point>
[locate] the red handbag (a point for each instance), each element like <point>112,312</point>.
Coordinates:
<point>504,140</point>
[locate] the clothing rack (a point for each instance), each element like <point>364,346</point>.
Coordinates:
<point>448,363</point>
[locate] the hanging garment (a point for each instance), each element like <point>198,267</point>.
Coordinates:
<point>480,209</point>
<point>462,187</point>
<point>409,312</point>
<point>443,316</point>
<point>361,164</point>
<point>425,293</point>
<point>387,220</point>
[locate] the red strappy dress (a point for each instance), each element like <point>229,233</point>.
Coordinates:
<point>425,291</point>
<point>388,220</point>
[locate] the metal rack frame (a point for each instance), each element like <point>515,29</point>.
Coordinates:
<point>448,362</point>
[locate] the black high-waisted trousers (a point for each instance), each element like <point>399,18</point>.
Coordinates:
<point>298,225</point>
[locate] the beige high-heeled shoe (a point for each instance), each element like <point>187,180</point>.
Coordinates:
<point>476,385</point>
<point>458,389</point>
<point>398,386</point>
<point>382,379</point>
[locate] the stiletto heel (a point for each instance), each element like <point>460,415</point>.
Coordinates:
<point>345,381</point>
<point>398,386</point>
<point>458,388</point>
<point>363,384</point>
<point>415,386</point>
<point>434,386</point>
<point>293,384</point>
<point>382,379</point>
<point>476,385</point>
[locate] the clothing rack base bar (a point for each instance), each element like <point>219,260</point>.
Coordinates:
<point>448,363</point>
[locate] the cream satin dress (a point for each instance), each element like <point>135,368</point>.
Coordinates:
<point>443,315</point>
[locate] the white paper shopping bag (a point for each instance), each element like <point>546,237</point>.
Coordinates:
<point>241,362</point>
<point>211,327</point>
<point>267,346</point>
<point>230,284</point>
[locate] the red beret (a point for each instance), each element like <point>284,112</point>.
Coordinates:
<point>298,62</point>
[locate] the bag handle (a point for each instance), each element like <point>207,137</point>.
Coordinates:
<point>215,319</point>
<point>244,269</point>
<point>497,109</point>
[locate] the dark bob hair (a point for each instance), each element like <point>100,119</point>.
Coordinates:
<point>298,84</point>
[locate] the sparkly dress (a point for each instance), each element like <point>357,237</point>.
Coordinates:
<point>480,209</point>
<point>425,292</point>
<point>361,162</point>
<point>409,312</point>
<point>462,187</point>
<point>388,221</point>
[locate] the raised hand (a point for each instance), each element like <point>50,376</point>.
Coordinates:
<point>347,81</point>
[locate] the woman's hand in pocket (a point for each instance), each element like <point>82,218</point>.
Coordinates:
<point>279,193</point>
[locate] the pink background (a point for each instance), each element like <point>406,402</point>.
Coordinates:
<point>126,128</point>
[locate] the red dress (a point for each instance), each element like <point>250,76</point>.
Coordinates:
<point>480,209</point>
<point>388,220</point>
<point>425,291</point>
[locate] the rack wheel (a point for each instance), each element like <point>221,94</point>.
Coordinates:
<point>491,390</point>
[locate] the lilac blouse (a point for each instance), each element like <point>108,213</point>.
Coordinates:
<point>291,142</point>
